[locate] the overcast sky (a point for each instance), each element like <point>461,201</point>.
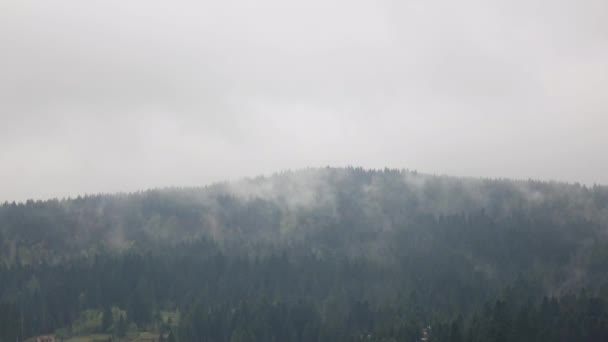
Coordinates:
<point>115,95</point>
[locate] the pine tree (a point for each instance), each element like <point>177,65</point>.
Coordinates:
<point>121,328</point>
<point>107,319</point>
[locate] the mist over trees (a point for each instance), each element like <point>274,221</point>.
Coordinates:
<point>331,254</point>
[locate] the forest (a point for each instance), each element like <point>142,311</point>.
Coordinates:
<point>320,254</point>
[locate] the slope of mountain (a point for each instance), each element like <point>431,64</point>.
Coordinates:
<point>318,254</point>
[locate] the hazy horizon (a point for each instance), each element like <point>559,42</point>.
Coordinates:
<point>237,182</point>
<point>124,96</point>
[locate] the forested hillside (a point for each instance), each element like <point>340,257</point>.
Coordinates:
<point>332,254</point>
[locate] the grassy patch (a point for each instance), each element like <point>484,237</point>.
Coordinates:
<point>145,336</point>
<point>170,315</point>
<point>137,337</point>
<point>89,338</point>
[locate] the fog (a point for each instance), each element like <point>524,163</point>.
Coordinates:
<point>127,95</point>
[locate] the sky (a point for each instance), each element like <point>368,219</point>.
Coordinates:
<point>119,95</point>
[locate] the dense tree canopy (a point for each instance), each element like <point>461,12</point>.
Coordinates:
<point>315,255</point>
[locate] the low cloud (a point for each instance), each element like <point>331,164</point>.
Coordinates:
<point>119,96</point>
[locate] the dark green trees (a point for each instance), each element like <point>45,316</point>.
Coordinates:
<point>314,255</point>
<point>107,320</point>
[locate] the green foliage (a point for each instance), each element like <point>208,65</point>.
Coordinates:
<point>107,320</point>
<point>313,255</point>
<point>121,327</point>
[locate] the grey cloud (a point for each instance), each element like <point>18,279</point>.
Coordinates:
<point>128,95</point>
